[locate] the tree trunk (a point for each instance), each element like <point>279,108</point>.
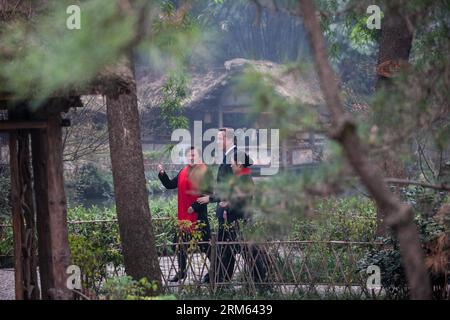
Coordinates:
<point>23,218</point>
<point>395,41</point>
<point>51,209</point>
<point>394,49</point>
<point>133,212</point>
<point>398,215</point>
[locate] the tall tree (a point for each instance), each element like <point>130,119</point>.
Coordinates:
<point>133,212</point>
<point>394,43</point>
<point>394,49</point>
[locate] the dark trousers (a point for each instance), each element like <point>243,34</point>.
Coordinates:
<point>257,262</point>
<point>255,257</point>
<point>226,252</point>
<point>181,241</point>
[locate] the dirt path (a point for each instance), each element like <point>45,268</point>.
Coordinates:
<point>7,284</point>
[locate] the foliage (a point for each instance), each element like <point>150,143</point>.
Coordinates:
<point>126,288</point>
<point>410,117</point>
<point>95,241</point>
<point>346,218</point>
<point>92,182</point>
<point>351,218</point>
<point>239,28</point>
<point>6,236</point>
<point>425,201</point>
<point>157,155</point>
<point>5,185</point>
<point>51,47</point>
<point>6,245</point>
<point>155,187</point>
<point>40,50</point>
<point>174,92</point>
<point>165,208</point>
<point>95,247</point>
<point>393,277</point>
<point>179,39</point>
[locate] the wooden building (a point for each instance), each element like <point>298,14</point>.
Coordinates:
<point>213,99</point>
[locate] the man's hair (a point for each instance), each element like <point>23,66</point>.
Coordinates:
<point>229,134</point>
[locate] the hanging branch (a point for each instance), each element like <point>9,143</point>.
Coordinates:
<point>398,215</point>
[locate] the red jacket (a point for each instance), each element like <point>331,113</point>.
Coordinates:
<point>188,193</point>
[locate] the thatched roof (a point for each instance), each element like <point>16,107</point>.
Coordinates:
<point>289,83</point>
<point>207,85</point>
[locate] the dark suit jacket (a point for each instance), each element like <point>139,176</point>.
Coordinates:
<point>223,174</point>
<point>240,195</point>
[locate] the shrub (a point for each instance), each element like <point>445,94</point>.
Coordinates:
<point>6,237</point>
<point>95,247</point>
<point>126,288</point>
<point>5,186</point>
<point>155,187</point>
<point>6,245</point>
<point>393,277</point>
<point>347,219</point>
<point>93,183</point>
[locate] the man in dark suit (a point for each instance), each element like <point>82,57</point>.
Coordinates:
<point>225,253</point>
<point>226,141</point>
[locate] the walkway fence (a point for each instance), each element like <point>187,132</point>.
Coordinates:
<point>276,269</point>
<point>316,269</point>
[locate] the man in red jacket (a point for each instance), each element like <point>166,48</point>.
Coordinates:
<point>191,214</point>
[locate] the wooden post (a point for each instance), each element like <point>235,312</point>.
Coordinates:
<point>29,262</point>
<point>212,264</point>
<point>51,207</point>
<point>23,217</point>
<point>16,216</point>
